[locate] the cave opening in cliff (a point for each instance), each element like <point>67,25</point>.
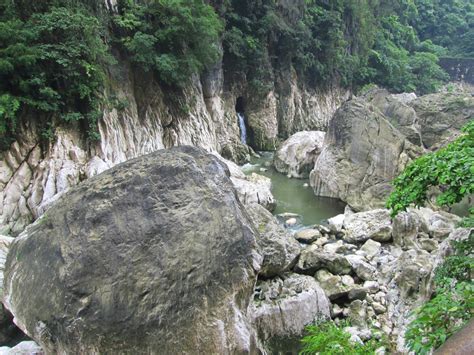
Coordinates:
<point>240,105</point>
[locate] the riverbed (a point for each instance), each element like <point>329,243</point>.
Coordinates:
<point>294,195</point>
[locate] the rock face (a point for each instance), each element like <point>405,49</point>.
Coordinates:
<point>297,155</point>
<point>427,120</point>
<point>155,255</point>
<point>34,173</point>
<point>362,153</point>
<point>282,307</point>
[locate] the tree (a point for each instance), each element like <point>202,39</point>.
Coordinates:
<point>451,169</point>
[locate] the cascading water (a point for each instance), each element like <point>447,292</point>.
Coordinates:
<point>243,129</point>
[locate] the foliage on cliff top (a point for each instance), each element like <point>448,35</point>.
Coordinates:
<point>450,168</point>
<point>51,62</point>
<point>173,38</point>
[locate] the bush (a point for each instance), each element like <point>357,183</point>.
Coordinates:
<point>327,338</point>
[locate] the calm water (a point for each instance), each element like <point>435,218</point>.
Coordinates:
<point>292,196</point>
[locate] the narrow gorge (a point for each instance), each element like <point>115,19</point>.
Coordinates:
<point>247,182</point>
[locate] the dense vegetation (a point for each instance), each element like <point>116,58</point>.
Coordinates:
<point>451,169</point>
<point>452,305</point>
<point>54,53</point>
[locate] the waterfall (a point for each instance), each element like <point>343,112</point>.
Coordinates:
<point>243,129</point>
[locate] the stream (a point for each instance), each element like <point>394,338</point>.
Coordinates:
<point>294,195</point>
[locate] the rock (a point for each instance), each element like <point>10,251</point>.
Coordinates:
<point>406,227</point>
<point>252,189</point>
<point>332,285</point>
<point>371,286</point>
<point>24,348</point>
<point>441,116</point>
<point>357,294</point>
<point>291,222</point>
<point>336,311</point>
<point>296,301</point>
<point>278,248</point>
<point>378,308</point>
<point>362,154</point>
<point>297,155</point>
<point>428,244</point>
<point>375,224</point>
<point>460,342</point>
<point>358,314</point>
<point>159,243</point>
<point>335,223</point>
<point>363,270</point>
<point>371,248</point>
<point>313,259</point>
<point>5,243</point>
<point>398,111</point>
<point>307,236</point>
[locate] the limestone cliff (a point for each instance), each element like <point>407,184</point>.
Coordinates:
<point>147,118</point>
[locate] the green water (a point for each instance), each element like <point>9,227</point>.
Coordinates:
<point>292,196</point>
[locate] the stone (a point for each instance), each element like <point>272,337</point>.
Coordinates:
<point>371,248</point>
<point>307,236</point>
<point>378,308</point>
<point>252,189</point>
<point>277,247</point>
<point>428,244</point>
<point>362,154</point>
<point>375,224</point>
<point>336,311</point>
<point>291,222</point>
<point>358,313</point>
<point>335,223</point>
<point>357,293</point>
<point>371,286</point>
<point>313,259</point>
<point>363,270</point>
<point>159,243</point>
<point>298,301</point>
<point>332,285</point>
<point>23,348</point>
<point>297,155</point>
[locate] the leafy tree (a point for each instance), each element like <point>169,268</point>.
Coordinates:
<point>51,63</point>
<point>174,38</point>
<point>450,168</point>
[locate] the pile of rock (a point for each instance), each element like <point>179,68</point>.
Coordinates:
<point>375,271</point>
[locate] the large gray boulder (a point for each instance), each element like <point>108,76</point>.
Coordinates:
<point>156,255</point>
<point>297,155</point>
<point>362,154</point>
<point>278,248</point>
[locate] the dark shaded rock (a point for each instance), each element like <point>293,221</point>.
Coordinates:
<point>156,255</point>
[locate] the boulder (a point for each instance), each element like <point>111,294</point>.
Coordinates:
<point>155,255</point>
<point>362,226</point>
<point>282,307</point>
<point>297,155</point>
<point>277,247</point>
<point>313,259</point>
<point>333,285</point>
<point>442,115</point>
<point>23,348</point>
<point>308,236</point>
<point>251,189</point>
<point>362,154</point>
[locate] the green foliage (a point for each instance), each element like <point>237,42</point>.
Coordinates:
<point>450,168</point>
<point>173,38</point>
<point>448,23</point>
<point>451,307</point>
<point>51,62</point>
<point>328,338</point>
